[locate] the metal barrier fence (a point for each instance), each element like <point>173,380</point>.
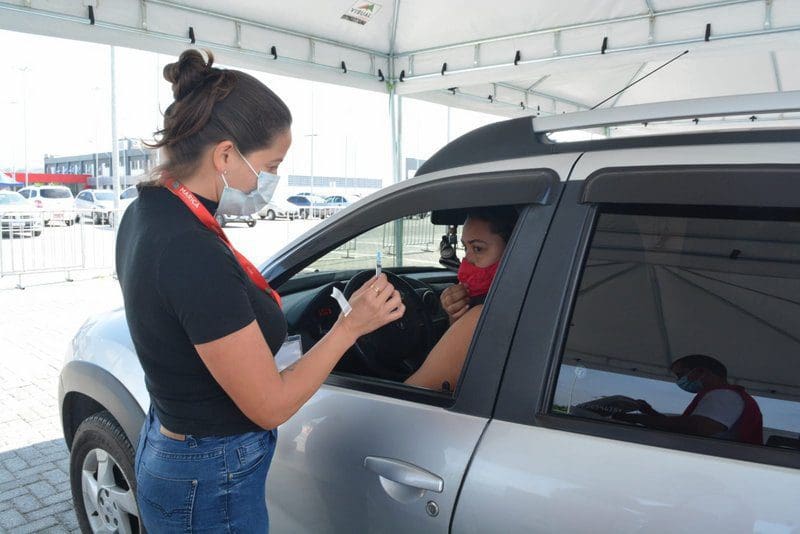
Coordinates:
<point>52,241</point>
<point>417,232</point>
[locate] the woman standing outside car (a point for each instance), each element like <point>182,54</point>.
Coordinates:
<point>204,322</point>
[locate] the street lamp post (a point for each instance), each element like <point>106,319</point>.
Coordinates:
<point>24,71</point>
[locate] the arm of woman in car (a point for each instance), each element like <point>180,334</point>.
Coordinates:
<point>446,359</point>
<point>242,362</point>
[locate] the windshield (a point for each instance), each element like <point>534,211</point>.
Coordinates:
<point>14,198</point>
<point>104,195</point>
<point>55,193</point>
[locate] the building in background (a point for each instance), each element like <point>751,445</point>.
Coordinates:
<point>135,163</point>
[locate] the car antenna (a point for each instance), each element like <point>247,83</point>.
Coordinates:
<point>640,79</point>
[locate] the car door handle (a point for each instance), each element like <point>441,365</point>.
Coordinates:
<point>404,473</point>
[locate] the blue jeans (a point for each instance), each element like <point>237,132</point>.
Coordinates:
<point>208,484</point>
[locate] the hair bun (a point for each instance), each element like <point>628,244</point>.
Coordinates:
<point>189,72</point>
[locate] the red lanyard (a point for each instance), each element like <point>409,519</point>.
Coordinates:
<point>200,211</point>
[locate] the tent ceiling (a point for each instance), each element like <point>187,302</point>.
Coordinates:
<point>752,45</point>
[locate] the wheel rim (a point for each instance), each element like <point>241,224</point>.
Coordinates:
<point>108,500</point>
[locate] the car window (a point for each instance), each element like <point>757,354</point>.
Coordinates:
<point>420,247</point>
<point>55,193</point>
<point>83,196</point>
<point>11,199</point>
<point>104,195</point>
<point>25,193</point>
<point>688,322</point>
<point>129,193</point>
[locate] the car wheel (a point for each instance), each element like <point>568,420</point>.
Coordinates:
<point>37,233</point>
<point>96,220</point>
<point>102,477</point>
<point>69,222</point>
<point>221,220</point>
<point>262,217</point>
<point>270,215</point>
<point>251,223</point>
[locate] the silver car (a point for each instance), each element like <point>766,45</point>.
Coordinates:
<point>628,254</point>
<point>96,205</point>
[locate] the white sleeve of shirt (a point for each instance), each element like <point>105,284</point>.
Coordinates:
<point>723,406</point>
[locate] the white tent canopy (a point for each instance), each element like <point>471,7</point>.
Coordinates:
<point>515,58</point>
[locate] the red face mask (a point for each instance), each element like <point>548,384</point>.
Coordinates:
<point>477,279</point>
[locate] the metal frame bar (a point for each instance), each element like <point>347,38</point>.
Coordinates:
<point>540,94</point>
<point>269,27</point>
<point>786,101</point>
<point>608,51</point>
<point>604,22</point>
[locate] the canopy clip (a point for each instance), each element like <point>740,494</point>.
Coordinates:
<point>274,52</point>
<point>91,15</point>
<point>517,58</point>
<point>403,75</point>
<point>191,35</point>
<point>605,45</point>
<point>344,67</point>
<point>381,77</point>
<point>444,68</point>
<point>708,32</point>
<point>452,90</point>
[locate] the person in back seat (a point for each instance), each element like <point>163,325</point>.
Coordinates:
<point>719,409</point>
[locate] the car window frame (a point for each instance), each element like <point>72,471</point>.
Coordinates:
<point>529,383</point>
<point>488,349</point>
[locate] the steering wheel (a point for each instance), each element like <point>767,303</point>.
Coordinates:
<point>397,349</point>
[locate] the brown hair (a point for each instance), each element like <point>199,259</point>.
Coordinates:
<point>213,105</point>
<point>501,219</point>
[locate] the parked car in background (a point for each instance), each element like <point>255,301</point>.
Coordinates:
<point>224,220</point>
<point>18,216</point>
<point>333,204</point>
<point>96,205</point>
<point>303,205</point>
<point>628,254</point>
<point>55,202</point>
<point>279,210</point>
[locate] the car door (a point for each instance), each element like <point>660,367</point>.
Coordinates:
<point>368,455</point>
<point>653,254</point>
<point>83,202</point>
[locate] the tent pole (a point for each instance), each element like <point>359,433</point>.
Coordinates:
<point>114,151</point>
<point>396,116</point>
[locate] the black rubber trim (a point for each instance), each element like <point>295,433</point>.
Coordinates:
<point>670,440</point>
<point>769,186</point>
<point>101,386</point>
<point>388,388</point>
<point>515,138</point>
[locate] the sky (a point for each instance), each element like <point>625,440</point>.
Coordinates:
<point>58,91</point>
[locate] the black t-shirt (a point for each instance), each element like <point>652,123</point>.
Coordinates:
<point>182,286</point>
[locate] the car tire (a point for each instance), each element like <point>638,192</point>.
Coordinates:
<point>262,217</point>
<point>96,219</point>
<point>37,233</point>
<point>68,222</point>
<point>102,458</point>
<point>251,223</point>
<point>221,220</point>
<point>270,215</point>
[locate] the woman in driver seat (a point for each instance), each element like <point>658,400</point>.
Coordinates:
<point>484,237</point>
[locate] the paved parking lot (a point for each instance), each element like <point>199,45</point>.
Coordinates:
<point>35,327</point>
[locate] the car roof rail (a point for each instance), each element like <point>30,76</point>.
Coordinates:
<point>718,106</point>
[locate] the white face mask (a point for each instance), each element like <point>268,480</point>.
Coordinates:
<point>236,202</point>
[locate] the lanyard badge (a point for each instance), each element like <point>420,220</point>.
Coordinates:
<point>200,211</point>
